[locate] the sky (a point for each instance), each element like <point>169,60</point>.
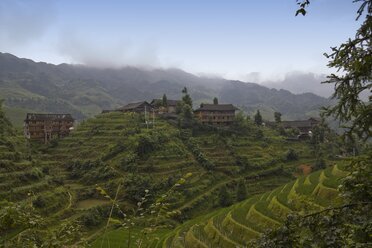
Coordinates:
<point>250,40</point>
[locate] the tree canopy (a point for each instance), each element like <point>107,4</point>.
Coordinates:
<point>353,62</point>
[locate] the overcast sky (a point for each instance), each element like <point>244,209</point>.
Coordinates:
<point>251,40</point>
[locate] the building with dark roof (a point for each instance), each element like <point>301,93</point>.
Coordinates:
<point>216,114</point>
<point>136,107</point>
<point>45,127</point>
<point>304,126</point>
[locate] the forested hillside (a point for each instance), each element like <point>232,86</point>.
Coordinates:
<point>27,86</point>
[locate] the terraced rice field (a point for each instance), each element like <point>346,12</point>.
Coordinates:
<point>237,225</point>
<point>44,176</point>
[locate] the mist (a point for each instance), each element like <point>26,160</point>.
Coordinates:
<point>101,51</point>
<point>302,82</point>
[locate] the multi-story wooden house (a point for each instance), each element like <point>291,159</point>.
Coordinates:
<point>45,127</point>
<point>216,114</point>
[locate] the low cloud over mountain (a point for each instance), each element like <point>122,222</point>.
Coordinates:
<point>302,82</point>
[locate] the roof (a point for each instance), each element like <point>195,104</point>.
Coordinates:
<point>134,105</point>
<point>217,107</point>
<point>169,102</point>
<point>35,116</point>
<point>300,123</point>
<point>172,102</point>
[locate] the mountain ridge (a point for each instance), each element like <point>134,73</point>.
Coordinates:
<point>85,91</point>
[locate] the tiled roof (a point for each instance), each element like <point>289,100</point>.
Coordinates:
<point>134,105</point>
<point>34,116</point>
<point>169,102</point>
<point>300,123</point>
<point>217,107</point>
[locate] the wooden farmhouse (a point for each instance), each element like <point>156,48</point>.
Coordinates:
<point>216,114</point>
<point>45,127</point>
<point>170,108</point>
<point>305,126</point>
<point>137,107</point>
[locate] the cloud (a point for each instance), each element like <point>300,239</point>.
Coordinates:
<point>302,82</point>
<point>105,52</point>
<point>254,77</point>
<point>24,21</point>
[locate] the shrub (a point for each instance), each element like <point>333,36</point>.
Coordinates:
<point>39,202</point>
<point>92,218</point>
<point>225,198</point>
<point>128,163</point>
<point>135,185</point>
<point>291,155</point>
<point>320,164</point>
<point>241,193</point>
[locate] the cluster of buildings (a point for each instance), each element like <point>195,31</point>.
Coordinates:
<point>214,114</point>
<point>45,127</point>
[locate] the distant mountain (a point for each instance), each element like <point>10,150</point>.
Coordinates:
<point>83,91</point>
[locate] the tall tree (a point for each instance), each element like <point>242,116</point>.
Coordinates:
<point>353,60</point>
<point>186,99</point>
<point>348,225</point>
<point>258,118</point>
<point>278,117</point>
<point>215,100</point>
<point>164,100</point>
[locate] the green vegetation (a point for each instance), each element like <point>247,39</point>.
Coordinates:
<point>58,182</point>
<point>115,178</point>
<point>241,223</point>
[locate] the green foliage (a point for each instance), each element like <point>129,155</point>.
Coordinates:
<point>90,171</point>
<point>198,154</point>
<point>241,193</point>
<point>224,196</point>
<point>114,150</point>
<point>291,155</point>
<point>258,118</point>
<point>357,186</point>
<point>278,117</point>
<point>185,111</point>
<point>128,163</point>
<point>93,217</point>
<point>5,125</point>
<point>242,124</point>
<point>215,100</point>
<point>135,185</point>
<point>164,101</point>
<point>348,225</point>
<point>353,59</point>
<point>17,216</point>
<point>320,164</point>
<point>302,7</point>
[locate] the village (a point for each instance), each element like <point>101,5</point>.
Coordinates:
<point>46,127</point>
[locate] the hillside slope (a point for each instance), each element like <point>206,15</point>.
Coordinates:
<point>238,225</point>
<point>84,92</point>
<point>119,149</point>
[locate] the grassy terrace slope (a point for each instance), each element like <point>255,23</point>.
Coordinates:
<point>237,225</point>
<point>61,179</point>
